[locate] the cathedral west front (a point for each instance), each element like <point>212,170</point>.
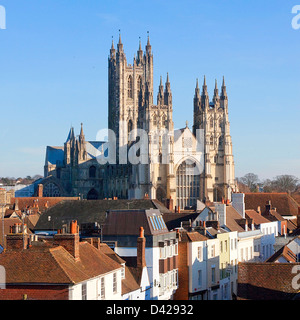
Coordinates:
<point>150,158</point>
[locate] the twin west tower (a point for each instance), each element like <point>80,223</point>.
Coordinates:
<point>181,167</point>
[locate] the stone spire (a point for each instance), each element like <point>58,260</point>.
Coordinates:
<point>168,93</point>
<point>223,93</point>
<point>160,94</point>
<point>197,90</point>
<point>204,96</point>
<point>140,53</point>
<point>216,94</point>
<point>224,97</point>
<point>71,135</point>
<point>148,46</point>
<point>120,44</point>
<point>112,49</point>
<point>81,131</point>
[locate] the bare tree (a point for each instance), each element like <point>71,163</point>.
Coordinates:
<point>250,180</point>
<point>285,183</point>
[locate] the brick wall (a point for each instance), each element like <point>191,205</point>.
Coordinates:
<point>182,293</point>
<point>35,292</point>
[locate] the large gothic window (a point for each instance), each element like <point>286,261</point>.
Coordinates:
<point>187,184</point>
<point>51,190</point>
<point>130,87</point>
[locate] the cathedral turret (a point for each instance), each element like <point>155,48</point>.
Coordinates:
<point>148,46</point>
<point>112,51</point>
<point>120,44</point>
<point>224,97</point>
<point>81,145</point>
<point>168,93</point>
<point>160,94</point>
<point>197,98</point>
<point>197,108</point>
<point>70,148</point>
<point>204,96</point>
<point>140,54</point>
<point>216,98</point>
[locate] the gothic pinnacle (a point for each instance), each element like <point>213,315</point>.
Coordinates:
<point>112,43</point>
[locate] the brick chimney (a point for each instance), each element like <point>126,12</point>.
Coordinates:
<point>141,247</point>
<point>268,206</point>
<point>18,237</point>
<point>94,242</point>
<point>40,190</point>
<point>169,203</point>
<point>70,241</point>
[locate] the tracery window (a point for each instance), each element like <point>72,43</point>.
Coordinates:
<point>51,190</point>
<point>130,87</point>
<point>187,184</point>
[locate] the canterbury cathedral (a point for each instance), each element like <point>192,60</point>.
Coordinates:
<point>177,167</point>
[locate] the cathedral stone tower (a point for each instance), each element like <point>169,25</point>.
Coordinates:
<point>218,176</point>
<point>151,158</point>
<point>130,90</point>
<point>131,107</point>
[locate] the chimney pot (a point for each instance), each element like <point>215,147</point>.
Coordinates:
<point>141,247</point>
<point>141,232</point>
<point>74,227</point>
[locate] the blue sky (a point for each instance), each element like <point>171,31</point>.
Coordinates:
<point>53,61</point>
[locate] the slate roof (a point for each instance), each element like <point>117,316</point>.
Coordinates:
<point>54,155</point>
<point>128,222</point>
<point>174,220</point>
<point>85,211</point>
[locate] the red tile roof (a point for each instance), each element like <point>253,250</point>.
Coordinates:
<point>266,281</point>
<point>257,218</point>
<point>284,252</point>
<point>284,203</point>
<point>232,219</point>
<point>46,264</point>
<point>42,202</point>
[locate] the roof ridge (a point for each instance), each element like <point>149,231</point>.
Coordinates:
<point>74,262</point>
